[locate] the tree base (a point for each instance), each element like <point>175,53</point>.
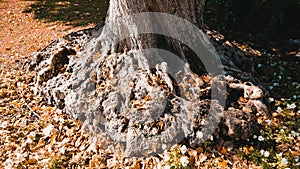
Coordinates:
<point>138,118</point>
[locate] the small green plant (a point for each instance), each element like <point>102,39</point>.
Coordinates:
<point>275,147</point>
<point>55,163</point>
<point>175,159</point>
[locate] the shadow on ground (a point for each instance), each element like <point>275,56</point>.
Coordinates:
<point>266,24</point>
<point>72,12</point>
<point>272,27</point>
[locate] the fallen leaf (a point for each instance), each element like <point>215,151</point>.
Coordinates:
<point>31,161</point>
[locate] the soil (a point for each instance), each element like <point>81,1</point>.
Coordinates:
<point>21,34</point>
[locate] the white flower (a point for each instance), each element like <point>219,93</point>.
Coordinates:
<point>284,161</point>
<point>37,157</point>
<point>279,155</point>
<point>294,97</point>
<point>199,135</point>
<point>32,134</point>
<point>62,150</point>
<point>47,131</point>
<point>212,138</point>
<point>262,152</point>
<point>266,154</point>
<point>166,157</point>
<point>202,158</point>
<point>167,167</point>
<point>261,138</point>
<point>279,110</point>
<point>183,149</point>
<point>268,121</point>
<point>8,163</point>
<point>184,161</point>
<point>299,111</point>
<point>254,136</point>
<point>271,99</point>
<point>293,133</point>
<point>291,106</point>
<point>55,118</point>
<point>29,140</point>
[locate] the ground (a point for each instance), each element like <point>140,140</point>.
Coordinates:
<point>33,135</point>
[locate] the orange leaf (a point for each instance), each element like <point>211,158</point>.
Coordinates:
<point>147,98</point>
<point>251,148</point>
<point>31,161</point>
<point>223,164</point>
<point>223,150</point>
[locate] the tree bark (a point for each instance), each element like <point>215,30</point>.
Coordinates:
<point>140,91</point>
<point>143,99</point>
<point>191,10</point>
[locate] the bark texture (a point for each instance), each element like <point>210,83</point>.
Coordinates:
<point>134,97</point>
<point>191,10</point>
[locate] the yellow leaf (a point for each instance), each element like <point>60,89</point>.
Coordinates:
<point>2,109</point>
<point>244,46</point>
<point>245,150</point>
<point>131,84</point>
<point>187,95</point>
<point>251,148</point>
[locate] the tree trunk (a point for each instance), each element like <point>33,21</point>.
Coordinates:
<point>143,86</point>
<point>191,10</point>
<point>147,90</point>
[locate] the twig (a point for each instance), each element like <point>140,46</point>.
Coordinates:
<point>31,111</point>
